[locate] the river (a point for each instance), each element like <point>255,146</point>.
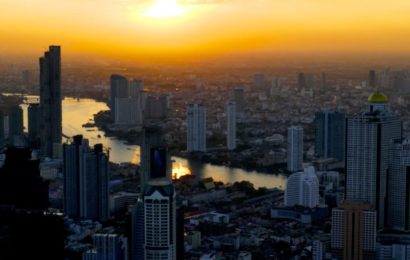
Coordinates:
<point>77,112</point>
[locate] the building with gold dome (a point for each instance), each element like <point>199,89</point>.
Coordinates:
<point>369,136</point>
<point>378,97</point>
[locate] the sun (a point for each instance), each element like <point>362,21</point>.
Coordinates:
<point>165,8</point>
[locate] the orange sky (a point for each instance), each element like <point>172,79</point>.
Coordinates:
<point>121,28</point>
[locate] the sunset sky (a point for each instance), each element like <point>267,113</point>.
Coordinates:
<point>171,28</point>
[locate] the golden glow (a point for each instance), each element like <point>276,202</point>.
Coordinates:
<point>136,159</point>
<point>165,8</point>
<point>179,170</point>
<point>180,29</point>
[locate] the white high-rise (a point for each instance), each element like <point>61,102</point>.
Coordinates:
<point>231,125</point>
<point>159,220</point>
<point>302,189</point>
<point>295,148</point>
<point>369,136</point>
<point>196,128</point>
<point>399,186</point>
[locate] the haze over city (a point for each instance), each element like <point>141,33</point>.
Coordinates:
<point>204,129</point>
<point>165,30</point>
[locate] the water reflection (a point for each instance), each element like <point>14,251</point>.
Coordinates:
<point>231,175</point>
<point>78,112</point>
<point>179,169</point>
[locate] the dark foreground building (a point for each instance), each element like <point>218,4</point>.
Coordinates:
<point>27,229</point>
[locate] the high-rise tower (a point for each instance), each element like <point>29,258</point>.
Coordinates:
<point>398,189</point>
<point>2,130</point>
<point>369,136</point>
<point>295,148</point>
<point>50,100</point>
<point>155,162</point>
<point>118,89</point>
<point>34,123</point>
<point>330,134</point>
<point>354,231</point>
<point>86,179</point>
<point>196,128</point>
<point>159,220</point>
<point>231,125</point>
<point>15,124</point>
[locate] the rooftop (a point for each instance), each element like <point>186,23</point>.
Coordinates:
<point>378,97</point>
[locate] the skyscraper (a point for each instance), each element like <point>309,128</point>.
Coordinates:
<point>196,128</point>
<point>50,100</point>
<point>73,154</point>
<point>137,236</point>
<point>354,231</point>
<point>86,179</point>
<point>128,111</point>
<point>136,92</point>
<point>302,189</point>
<point>155,162</point>
<point>94,184</point>
<point>118,89</point>
<point>34,122</point>
<point>15,123</point>
<point>295,148</point>
<point>159,220</point>
<point>330,134</point>
<point>28,230</point>
<point>231,125</point>
<point>398,189</point>
<point>20,182</point>
<point>154,216</point>
<point>369,136</point>
<point>2,132</point>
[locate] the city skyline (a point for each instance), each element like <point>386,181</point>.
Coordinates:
<point>205,129</point>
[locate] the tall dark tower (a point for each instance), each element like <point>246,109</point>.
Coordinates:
<point>119,89</point>
<point>372,79</point>
<point>2,134</point>
<point>155,161</point>
<point>86,177</point>
<point>50,100</point>
<point>34,122</point>
<point>301,80</point>
<point>15,123</point>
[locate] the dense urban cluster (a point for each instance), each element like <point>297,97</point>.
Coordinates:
<point>337,146</point>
